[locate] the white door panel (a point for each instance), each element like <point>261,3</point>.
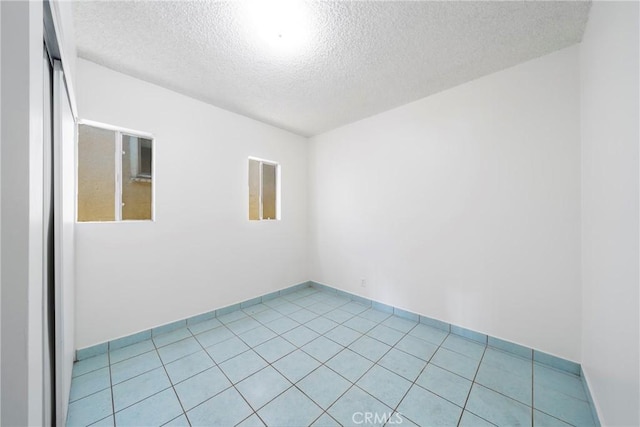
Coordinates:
<point>64,135</point>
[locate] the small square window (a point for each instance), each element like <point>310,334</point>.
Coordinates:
<point>263,190</point>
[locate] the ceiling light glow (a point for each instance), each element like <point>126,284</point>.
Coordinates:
<point>281,26</point>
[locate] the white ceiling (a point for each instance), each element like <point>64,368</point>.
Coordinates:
<point>349,60</point>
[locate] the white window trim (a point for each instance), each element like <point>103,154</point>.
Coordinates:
<point>118,181</point>
<point>278,207</point>
<point>119,131</point>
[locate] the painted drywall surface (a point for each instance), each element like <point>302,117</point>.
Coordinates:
<point>22,212</point>
<point>610,173</point>
<point>463,206</point>
<point>202,252</point>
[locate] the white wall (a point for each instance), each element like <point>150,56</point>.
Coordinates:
<point>610,173</point>
<point>202,252</point>
<point>22,211</point>
<point>463,206</point>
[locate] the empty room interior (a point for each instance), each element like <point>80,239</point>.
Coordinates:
<point>320,213</point>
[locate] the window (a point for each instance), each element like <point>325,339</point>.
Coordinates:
<point>264,197</point>
<point>115,174</point>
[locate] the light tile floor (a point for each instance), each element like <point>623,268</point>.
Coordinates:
<point>316,358</point>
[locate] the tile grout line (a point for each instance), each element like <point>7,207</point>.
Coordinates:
<point>421,371</point>
<point>321,363</point>
<point>375,363</point>
<point>122,382</point>
<point>525,404</point>
<point>93,392</point>
<point>233,385</point>
<point>501,393</point>
<point>556,418</point>
<point>158,392</point>
<point>151,395</point>
<point>486,346</point>
<point>269,364</point>
<point>533,409</point>
<point>113,405</point>
<point>533,388</point>
<point>466,401</point>
<point>279,335</point>
<point>324,363</point>
<point>215,365</point>
<point>352,383</point>
<point>170,381</point>
<point>444,369</point>
<point>173,419</point>
<point>254,411</point>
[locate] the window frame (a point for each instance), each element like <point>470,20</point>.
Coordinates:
<point>261,162</point>
<point>119,131</point>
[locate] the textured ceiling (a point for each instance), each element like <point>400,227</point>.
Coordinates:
<point>309,67</point>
